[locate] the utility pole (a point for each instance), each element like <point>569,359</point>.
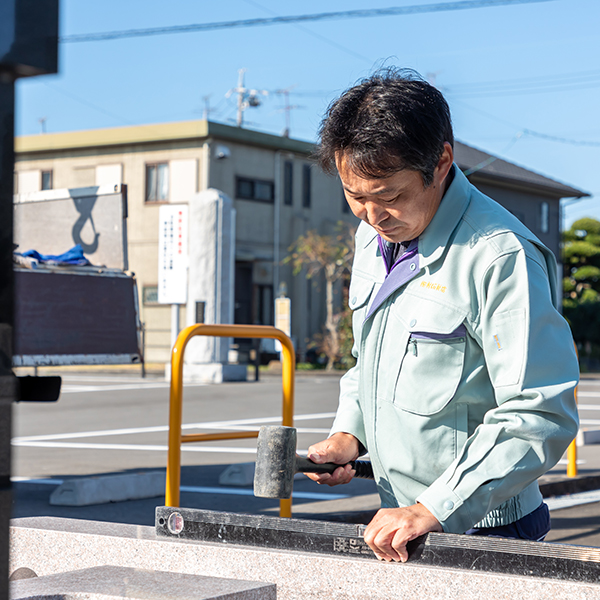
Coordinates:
<point>42,122</point>
<point>245,97</point>
<point>241,90</point>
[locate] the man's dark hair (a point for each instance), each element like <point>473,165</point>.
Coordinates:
<point>391,121</point>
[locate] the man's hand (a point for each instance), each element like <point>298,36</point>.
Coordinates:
<point>392,528</point>
<point>340,449</point>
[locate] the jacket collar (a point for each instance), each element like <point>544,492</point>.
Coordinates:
<point>434,239</point>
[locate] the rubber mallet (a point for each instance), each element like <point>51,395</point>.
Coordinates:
<point>277,463</point>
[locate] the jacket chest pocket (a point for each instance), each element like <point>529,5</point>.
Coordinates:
<point>432,365</point>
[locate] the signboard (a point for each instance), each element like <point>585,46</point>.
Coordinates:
<point>173,254</point>
<point>283,318</point>
<point>283,315</point>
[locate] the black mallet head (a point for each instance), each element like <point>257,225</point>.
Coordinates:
<point>277,463</point>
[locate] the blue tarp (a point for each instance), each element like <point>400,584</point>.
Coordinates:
<point>74,256</point>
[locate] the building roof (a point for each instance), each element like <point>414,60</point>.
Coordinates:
<point>161,132</point>
<point>479,166</point>
<point>482,167</point>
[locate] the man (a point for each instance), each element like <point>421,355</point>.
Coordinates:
<point>463,391</point>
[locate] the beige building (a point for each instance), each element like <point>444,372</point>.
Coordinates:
<point>278,194</point>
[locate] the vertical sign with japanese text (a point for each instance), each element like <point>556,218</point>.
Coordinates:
<point>173,254</point>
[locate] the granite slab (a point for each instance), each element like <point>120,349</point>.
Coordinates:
<point>50,545</point>
<point>119,583</point>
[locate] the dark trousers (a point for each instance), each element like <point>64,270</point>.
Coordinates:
<point>534,526</point>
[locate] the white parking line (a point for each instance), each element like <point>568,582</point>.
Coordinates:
<point>130,447</point>
<point>560,502</point>
<point>205,490</point>
<point>238,424</point>
<point>245,492</point>
<point>72,389</point>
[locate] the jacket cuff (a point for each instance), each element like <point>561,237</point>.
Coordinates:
<point>353,425</point>
<point>448,508</point>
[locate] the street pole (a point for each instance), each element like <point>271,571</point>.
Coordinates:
<point>28,47</point>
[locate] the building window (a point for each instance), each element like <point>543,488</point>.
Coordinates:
<point>157,182</point>
<point>306,197</point>
<point>288,183</point>
<point>254,189</point>
<point>150,294</point>
<point>46,180</point>
<point>544,227</point>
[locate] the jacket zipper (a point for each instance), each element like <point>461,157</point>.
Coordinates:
<point>414,342</point>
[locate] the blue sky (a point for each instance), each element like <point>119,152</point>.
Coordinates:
<point>512,74</point>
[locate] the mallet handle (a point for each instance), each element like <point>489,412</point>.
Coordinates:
<point>364,469</point>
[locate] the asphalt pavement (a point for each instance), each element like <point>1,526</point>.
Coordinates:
<point>116,422</point>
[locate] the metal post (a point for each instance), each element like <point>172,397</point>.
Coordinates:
<point>143,335</point>
<point>572,449</point>
<point>174,323</point>
<point>28,46</point>
<point>173,482</point>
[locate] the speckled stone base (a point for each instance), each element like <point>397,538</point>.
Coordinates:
<point>51,545</point>
<point>107,583</point>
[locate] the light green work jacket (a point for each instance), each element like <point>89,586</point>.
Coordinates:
<point>463,392</point>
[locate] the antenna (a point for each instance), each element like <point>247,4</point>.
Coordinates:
<point>287,108</point>
<point>207,110</point>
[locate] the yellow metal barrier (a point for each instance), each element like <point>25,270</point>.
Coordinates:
<point>176,399</point>
<point>572,449</point>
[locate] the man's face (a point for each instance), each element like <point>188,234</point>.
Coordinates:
<point>398,207</point>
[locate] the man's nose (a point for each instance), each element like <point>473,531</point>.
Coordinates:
<point>375,213</point>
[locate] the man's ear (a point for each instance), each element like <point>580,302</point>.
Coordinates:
<point>445,163</point>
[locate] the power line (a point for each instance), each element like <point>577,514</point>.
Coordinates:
<point>318,36</point>
<point>347,14</point>
<point>561,140</point>
<point>535,80</point>
<point>531,132</point>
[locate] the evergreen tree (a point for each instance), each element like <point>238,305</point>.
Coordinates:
<point>581,284</point>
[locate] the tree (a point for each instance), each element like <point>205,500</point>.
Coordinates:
<point>330,255</point>
<point>581,283</point>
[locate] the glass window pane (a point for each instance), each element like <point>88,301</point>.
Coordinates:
<point>263,190</point>
<point>163,181</point>
<point>544,217</point>
<point>306,196</point>
<point>46,180</point>
<point>288,172</point>
<point>150,183</point>
<point>245,189</point>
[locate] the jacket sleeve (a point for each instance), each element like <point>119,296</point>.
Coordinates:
<point>349,416</point>
<point>530,358</point>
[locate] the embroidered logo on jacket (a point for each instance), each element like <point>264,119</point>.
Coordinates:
<point>437,287</point>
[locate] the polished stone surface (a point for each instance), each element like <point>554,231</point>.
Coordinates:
<point>298,575</point>
<point>137,584</point>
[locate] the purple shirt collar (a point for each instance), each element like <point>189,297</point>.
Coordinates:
<point>402,271</point>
